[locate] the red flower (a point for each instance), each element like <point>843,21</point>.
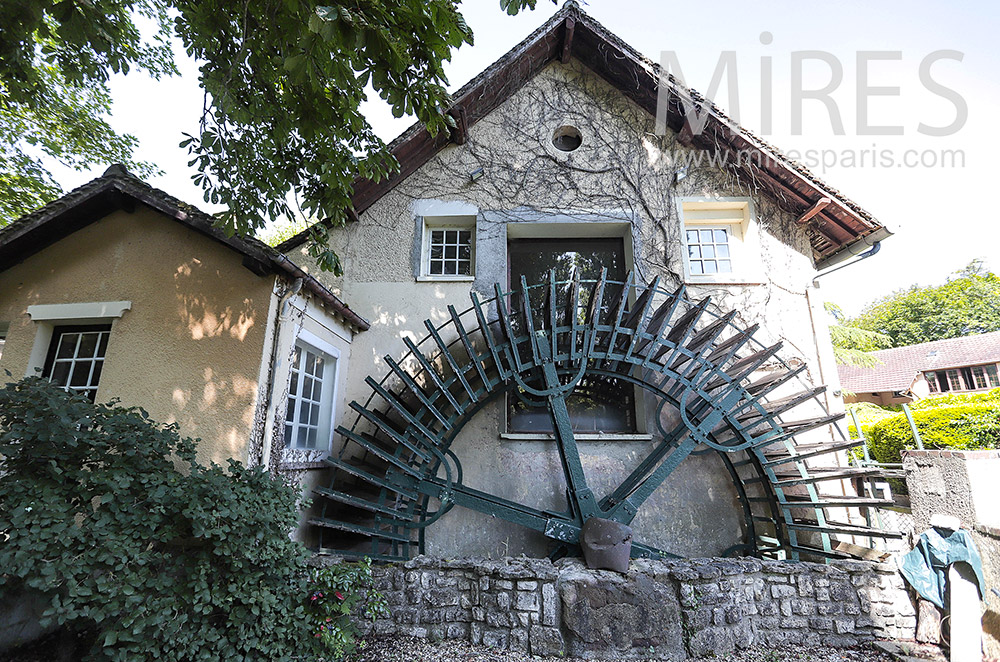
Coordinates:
<point>340,596</point>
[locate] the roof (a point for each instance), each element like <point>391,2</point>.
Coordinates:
<point>118,189</point>
<point>835,223</point>
<point>900,365</point>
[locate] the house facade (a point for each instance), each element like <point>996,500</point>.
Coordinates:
<point>904,374</point>
<point>447,411</point>
<point>118,290</point>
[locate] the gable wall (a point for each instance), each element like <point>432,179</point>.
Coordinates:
<point>622,171</point>
<point>188,351</point>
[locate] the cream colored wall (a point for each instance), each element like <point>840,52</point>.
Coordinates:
<point>622,171</point>
<point>188,351</point>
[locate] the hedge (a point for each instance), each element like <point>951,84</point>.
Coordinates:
<point>949,399</point>
<point>868,414</point>
<point>961,426</point>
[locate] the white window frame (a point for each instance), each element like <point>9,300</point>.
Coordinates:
<point>308,340</point>
<point>456,222</point>
<point>736,216</point>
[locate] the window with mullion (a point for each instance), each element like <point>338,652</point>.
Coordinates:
<point>310,397</point>
<point>76,358</point>
<point>979,377</point>
<point>955,380</point>
<point>450,252</point>
<point>708,251</point>
<point>992,377</point>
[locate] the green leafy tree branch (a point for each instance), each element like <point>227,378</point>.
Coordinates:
<point>281,133</point>
<point>967,304</point>
<point>851,345</point>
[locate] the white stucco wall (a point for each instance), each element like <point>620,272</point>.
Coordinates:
<point>622,174</point>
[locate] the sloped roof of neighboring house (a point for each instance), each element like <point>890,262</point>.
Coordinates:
<point>118,189</point>
<point>900,365</point>
<point>835,222</point>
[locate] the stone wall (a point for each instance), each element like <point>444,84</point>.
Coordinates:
<point>666,609</point>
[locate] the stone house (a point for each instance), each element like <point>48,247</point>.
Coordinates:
<point>905,374</point>
<point>652,381</point>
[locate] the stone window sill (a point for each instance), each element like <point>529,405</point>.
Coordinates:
<point>445,279</point>
<point>301,458</point>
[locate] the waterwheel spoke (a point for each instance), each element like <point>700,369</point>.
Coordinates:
<point>397,459</point>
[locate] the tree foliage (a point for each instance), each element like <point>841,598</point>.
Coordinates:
<point>851,345</point>
<point>109,519</point>
<point>55,61</point>
<point>966,305</point>
<point>281,132</point>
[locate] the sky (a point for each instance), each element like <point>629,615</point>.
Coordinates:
<point>932,192</point>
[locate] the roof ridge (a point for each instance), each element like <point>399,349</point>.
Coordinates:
<point>955,339</point>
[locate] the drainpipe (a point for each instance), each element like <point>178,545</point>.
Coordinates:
<point>279,319</point>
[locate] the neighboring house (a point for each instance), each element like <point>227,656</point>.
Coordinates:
<point>554,163</point>
<point>905,374</point>
<point>118,290</point>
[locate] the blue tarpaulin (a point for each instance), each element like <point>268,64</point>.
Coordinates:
<point>926,565</point>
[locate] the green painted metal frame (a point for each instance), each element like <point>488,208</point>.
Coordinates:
<point>399,447</point>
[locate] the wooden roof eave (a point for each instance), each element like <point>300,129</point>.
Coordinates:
<point>107,194</point>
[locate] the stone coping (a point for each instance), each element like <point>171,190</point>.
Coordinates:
<point>968,455</point>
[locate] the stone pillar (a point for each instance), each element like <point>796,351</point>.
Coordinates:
<point>963,484</point>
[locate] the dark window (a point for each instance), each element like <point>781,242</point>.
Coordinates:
<point>599,404</point>
<point>450,252</point>
<point>991,375</point>
<point>931,381</point>
<point>76,357</point>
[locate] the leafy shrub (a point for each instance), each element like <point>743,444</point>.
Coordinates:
<point>983,427</point>
<point>108,516</point>
<point>334,596</point>
<point>959,427</point>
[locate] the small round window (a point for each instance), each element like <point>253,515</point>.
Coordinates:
<point>567,138</point>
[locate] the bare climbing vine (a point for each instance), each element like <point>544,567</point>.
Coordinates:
<point>622,171</point>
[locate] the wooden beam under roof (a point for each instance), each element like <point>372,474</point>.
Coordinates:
<point>567,47</point>
<point>816,208</point>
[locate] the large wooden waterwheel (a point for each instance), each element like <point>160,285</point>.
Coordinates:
<point>397,474</point>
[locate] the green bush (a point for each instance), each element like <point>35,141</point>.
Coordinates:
<point>108,516</point>
<point>948,399</point>
<point>334,598</point>
<point>960,427</point>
